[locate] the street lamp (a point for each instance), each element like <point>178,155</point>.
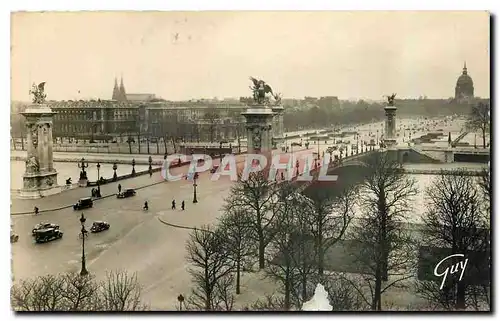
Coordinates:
<point>150,161</point>
<point>180,298</point>
<point>195,200</point>
<point>84,271</point>
<point>83,166</point>
<point>98,179</point>
<point>133,167</point>
<point>115,167</point>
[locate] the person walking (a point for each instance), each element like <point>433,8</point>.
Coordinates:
<point>36,210</point>
<point>173,204</point>
<point>119,188</point>
<point>182,205</point>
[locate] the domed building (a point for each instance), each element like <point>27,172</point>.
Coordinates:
<point>464,90</point>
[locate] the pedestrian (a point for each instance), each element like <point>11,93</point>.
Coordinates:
<point>92,192</point>
<point>119,188</point>
<point>36,210</point>
<point>150,173</point>
<point>182,205</point>
<point>173,204</point>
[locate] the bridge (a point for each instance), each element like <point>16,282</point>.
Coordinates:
<point>420,168</point>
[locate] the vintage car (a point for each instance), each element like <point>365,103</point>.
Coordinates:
<point>99,226</point>
<point>126,193</point>
<point>47,235</point>
<point>13,237</point>
<point>85,202</point>
<point>43,225</point>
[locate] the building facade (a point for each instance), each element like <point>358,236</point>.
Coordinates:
<point>109,119</point>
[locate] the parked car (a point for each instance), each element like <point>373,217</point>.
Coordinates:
<point>13,237</point>
<point>42,226</point>
<point>82,203</point>
<point>126,193</point>
<point>99,226</point>
<point>47,235</point>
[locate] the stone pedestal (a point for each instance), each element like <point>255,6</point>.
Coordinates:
<point>259,120</point>
<point>40,177</point>
<point>278,135</point>
<point>390,126</point>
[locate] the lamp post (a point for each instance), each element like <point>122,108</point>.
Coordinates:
<point>195,176</point>
<point>133,167</point>
<point>150,161</point>
<point>84,271</point>
<point>83,166</point>
<point>115,167</point>
<point>98,179</point>
<point>180,298</point>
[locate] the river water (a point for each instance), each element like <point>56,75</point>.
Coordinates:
<point>67,170</point>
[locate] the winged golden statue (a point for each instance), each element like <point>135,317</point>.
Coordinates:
<point>38,93</point>
<point>260,89</point>
<point>390,99</point>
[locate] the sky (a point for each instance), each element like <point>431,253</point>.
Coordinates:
<point>193,55</point>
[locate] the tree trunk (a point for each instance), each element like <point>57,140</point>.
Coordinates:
<point>321,253</point>
<point>287,290</point>
<point>130,146</point>
<point>157,146</point>
<point>147,142</point>
<point>460,303</point>
<point>484,137</point>
<point>262,249</point>
<point>139,142</point>
<point>238,273</point>
<point>376,301</point>
<point>165,143</point>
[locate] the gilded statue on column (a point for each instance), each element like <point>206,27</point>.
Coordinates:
<point>38,93</point>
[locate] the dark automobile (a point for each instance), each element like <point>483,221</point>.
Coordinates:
<point>47,235</point>
<point>82,203</point>
<point>42,226</point>
<point>99,226</point>
<point>13,237</point>
<point>214,169</point>
<point>126,193</point>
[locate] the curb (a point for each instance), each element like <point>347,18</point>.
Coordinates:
<point>181,226</point>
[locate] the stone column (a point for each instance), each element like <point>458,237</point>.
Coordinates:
<point>50,159</point>
<point>29,140</point>
<point>390,125</point>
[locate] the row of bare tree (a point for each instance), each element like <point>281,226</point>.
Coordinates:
<point>119,291</point>
<point>296,240</point>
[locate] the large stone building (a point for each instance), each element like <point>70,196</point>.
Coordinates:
<point>464,90</point>
<point>145,115</point>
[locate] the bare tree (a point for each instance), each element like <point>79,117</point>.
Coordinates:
<point>329,221</point>
<point>287,256</point>
<point>72,292</point>
<point>480,119</point>
<point>210,267</point>
<point>212,117</point>
<point>254,195</point>
<point>236,226</point>
<point>269,303</point>
<point>386,250</point>
<point>455,223</point>
<point>120,292</point>
<point>342,295</point>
